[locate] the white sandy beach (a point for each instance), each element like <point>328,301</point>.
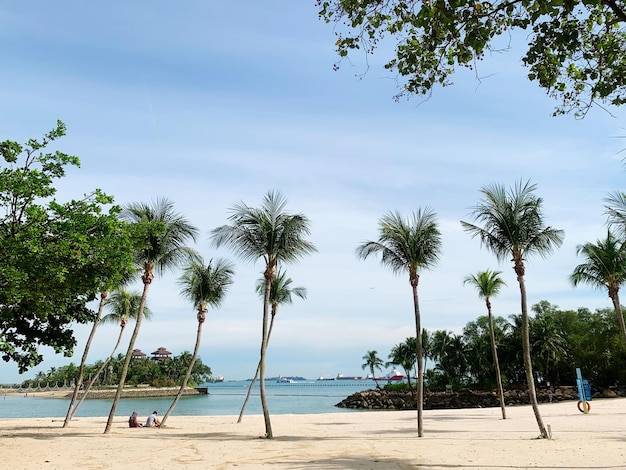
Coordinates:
<point>467,439</point>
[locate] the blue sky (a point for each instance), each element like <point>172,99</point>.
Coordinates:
<point>212,103</point>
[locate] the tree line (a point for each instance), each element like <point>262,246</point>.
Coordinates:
<point>165,373</point>
<point>560,340</point>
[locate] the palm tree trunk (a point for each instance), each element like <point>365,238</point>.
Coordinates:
<point>147,279</point>
<point>266,307</point>
<point>494,352</point>
<point>532,394</point>
<point>99,371</point>
<point>256,374</point>
<point>83,360</point>
<point>187,375</point>
<point>620,316</point>
<point>420,368</point>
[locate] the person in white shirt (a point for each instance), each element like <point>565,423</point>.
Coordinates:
<point>153,421</point>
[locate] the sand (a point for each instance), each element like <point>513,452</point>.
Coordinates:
<point>467,439</point>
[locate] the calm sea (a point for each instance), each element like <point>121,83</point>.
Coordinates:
<point>225,398</point>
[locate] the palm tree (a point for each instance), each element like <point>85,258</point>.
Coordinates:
<point>488,284</point>
<point>604,267</point>
<point>408,246</point>
<point>513,228</point>
<point>203,285</point>
<point>161,234</point>
<point>616,211</point>
<point>549,345</point>
<point>124,277</point>
<point>276,236</point>
<point>372,361</point>
<point>124,305</point>
<point>403,355</point>
<point>83,361</point>
<point>280,293</point>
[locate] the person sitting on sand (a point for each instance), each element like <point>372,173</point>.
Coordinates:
<point>153,420</point>
<point>133,422</point>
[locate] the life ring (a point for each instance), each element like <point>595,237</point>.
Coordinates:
<point>586,405</point>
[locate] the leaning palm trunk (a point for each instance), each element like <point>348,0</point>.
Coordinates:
<point>147,280</point>
<point>258,369</point>
<point>266,302</point>
<point>99,371</point>
<point>532,394</point>
<point>420,369</point>
<point>79,379</point>
<point>494,352</point>
<point>201,319</point>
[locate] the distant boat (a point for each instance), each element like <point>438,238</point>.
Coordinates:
<point>340,376</point>
<point>285,380</point>
<point>219,378</point>
<point>394,376</point>
<point>326,378</point>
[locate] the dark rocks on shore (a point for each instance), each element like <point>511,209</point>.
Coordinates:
<point>405,400</point>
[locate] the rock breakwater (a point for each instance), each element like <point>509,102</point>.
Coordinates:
<point>405,400</point>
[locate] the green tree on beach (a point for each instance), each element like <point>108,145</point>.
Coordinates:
<point>403,355</point>
<point>123,305</point>
<point>372,363</point>
<point>203,285</point>
<point>281,293</point>
<point>160,235</point>
<point>604,268</point>
<point>55,258</point>
<point>574,49</point>
<point>276,236</point>
<point>488,284</point>
<point>513,228</point>
<point>408,246</point>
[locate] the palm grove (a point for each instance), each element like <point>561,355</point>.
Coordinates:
<point>61,258</point>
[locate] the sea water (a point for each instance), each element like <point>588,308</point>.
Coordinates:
<point>224,398</point>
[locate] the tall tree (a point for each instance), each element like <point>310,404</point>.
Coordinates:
<point>408,246</point>
<point>274,235</point>
<point>488,284</point>
<point>281,293</point>
<point>575,49</point>
<point>160,237</point>
<point>203,285</point>
<point>513,228</point>
<point>123,305</point>
<point>55,258</point>
<point>604,268</point>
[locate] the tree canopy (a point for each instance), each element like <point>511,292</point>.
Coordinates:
<point>574,47</point>
<point>54,257</point>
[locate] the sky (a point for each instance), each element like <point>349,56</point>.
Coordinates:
<point>212,103</point>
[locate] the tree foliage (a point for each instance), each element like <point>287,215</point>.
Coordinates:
<point>141,371</point>
<point>561,341</point>
<point>54,257</point>
<point>574,47</point>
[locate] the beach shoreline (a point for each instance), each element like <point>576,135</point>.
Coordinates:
<point>471,439</point>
